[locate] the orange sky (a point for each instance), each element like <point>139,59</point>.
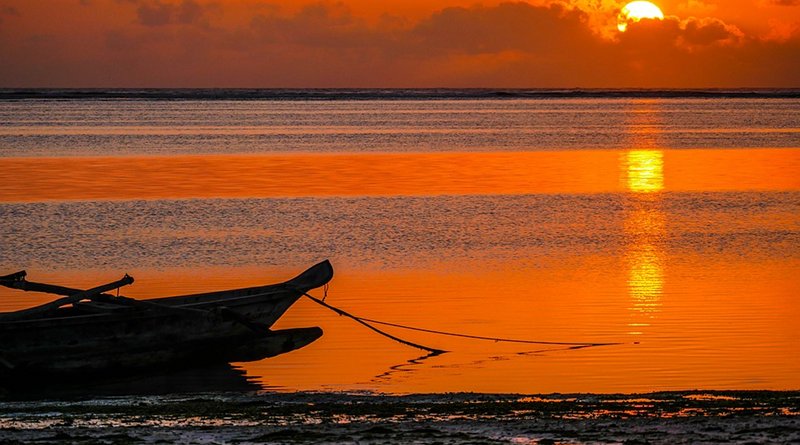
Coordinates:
<point>395,43</point>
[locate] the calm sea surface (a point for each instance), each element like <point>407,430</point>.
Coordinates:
<point>668,225</point>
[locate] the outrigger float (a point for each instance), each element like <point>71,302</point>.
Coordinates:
<point>91,332</point>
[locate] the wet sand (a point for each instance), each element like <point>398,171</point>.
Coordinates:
<point>759,417</point>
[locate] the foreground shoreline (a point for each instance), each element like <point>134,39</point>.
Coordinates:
<point>752,417</point>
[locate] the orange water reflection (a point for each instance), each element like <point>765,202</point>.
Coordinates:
<point>645,170</point>
<point>38,179</point>
<point>715,320</point>
<point>645,259</point>
<point>645,124</point>
<point>689,346</point>
<point>645,224</point>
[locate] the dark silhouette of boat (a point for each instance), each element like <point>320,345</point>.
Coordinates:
<point>200,379</point>
<point>90,333</point>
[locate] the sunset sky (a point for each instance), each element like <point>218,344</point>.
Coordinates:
<point>396,43</point>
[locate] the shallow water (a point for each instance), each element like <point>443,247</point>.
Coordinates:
<point>669,226</point>
<point>158,127</point>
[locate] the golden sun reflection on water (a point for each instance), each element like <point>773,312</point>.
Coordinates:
<point>645,279</point>
<point>645,170</point>
<point>645,224</point>
<point>646,125</point>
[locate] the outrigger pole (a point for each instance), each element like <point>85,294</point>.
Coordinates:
<point>53,305</point>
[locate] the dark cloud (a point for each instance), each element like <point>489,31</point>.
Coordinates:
<point>709,31</point>
<point>8,11</point>
<point>452,31</point>
<point>508,26</point>
<point>189,12</point>
<point>155,13</point>
<point>158,13</point>
<point>786,2</point>
<point>513,44</point>
<point>690,34</point>
<point>510,44</point>
<point>319,25</point>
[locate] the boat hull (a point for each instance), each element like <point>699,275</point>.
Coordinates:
<point>208,328</point>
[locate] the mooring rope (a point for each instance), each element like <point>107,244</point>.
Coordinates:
<point>360,320</point>
<point>366,322</point>
<point>494,339</point>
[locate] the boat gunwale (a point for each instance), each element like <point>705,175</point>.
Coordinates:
<point>72,319</point>
<point>293,289</point>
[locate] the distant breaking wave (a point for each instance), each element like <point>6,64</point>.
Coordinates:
<point>384,94</point>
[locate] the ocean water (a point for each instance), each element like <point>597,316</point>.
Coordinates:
<point>666,224</point>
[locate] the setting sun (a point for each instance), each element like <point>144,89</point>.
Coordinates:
<point>635,11</point>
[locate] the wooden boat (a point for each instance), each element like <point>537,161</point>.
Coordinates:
<point>90,332</point>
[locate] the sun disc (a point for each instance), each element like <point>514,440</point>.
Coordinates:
<point>635,11</point>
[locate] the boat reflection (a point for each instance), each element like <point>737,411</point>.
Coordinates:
<point>207,379</point>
